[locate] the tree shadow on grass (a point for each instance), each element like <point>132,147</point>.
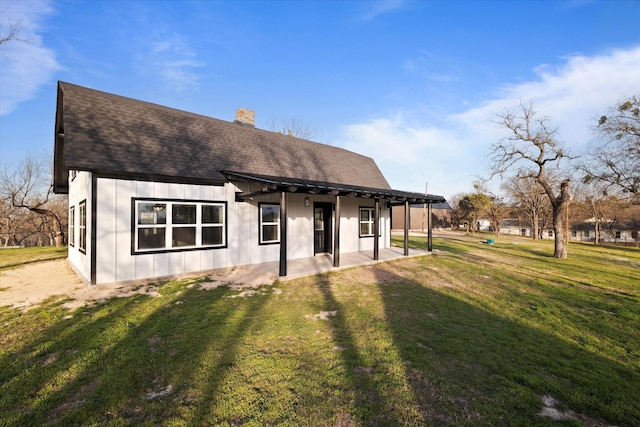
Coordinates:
<point>470,365</point>
<point>119,362</point>
<point>369,406</point>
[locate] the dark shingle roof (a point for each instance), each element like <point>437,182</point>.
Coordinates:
<point>111,134</point>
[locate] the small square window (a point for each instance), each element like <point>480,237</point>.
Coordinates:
<point>183,214</point>
<point>367,218</point>
<point>151,238</point>
<point>269,223</point>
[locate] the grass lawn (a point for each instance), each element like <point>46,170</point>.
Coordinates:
<point>15,257</point>
<point>473,334</point>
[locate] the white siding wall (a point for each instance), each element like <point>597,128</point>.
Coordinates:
<point>115,263</point>
<point>79,190</point>
<point>350,225</point>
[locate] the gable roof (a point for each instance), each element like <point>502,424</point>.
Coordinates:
<point>117,136</point>
<point>105,133</point>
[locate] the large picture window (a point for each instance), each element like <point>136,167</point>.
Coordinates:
<point>82,226</point>
<point>366,222</point>
<point>269,223</point>
<point>165,225</point>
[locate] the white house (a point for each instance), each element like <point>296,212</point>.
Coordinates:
<point>157,192</point>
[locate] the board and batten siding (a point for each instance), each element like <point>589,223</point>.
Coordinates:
<point>116,263</point>
<point>79,191</point>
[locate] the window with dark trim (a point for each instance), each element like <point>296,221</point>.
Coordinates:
<point>82,226</point>
<point>367,218</point>
<point>269,223</point>
<point>72,226</point>
<point>173,225</point>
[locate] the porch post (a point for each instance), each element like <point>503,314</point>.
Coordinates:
<point>429,232</point>
<point>407,219</point>
<point>336,235</point>
<point>283,234</point>
<point>376,230</point>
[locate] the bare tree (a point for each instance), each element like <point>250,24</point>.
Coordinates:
<point>530,199</point>
<point>531,141</point>
<point>497,211</point>
<point>616,160</point>
<point>30,187</point>
<point>294,127</point>
<point>456,212</point>
<point>9,33</point>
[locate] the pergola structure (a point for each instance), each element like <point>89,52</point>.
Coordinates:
<point>283,186</point>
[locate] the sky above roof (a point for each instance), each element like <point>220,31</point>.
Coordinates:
<point>416,85</point>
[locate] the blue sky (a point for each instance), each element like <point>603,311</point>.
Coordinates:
<point>413,84</point>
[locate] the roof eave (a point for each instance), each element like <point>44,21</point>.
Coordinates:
<point>292,185</point>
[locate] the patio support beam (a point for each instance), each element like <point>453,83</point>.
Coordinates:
<point>283,234</point>
<point>336,235</point>
<point>407,219</point>
<point>430,228</point>
<point>376,230</point>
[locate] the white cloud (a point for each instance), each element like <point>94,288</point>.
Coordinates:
<point>571,95</point>
<point>26,62</point>
<point>451,152</point>
<point>171,58</point>
<point>408,153</point>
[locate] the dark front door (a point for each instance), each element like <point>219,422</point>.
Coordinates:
<point>322,227</point>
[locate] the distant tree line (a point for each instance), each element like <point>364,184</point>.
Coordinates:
<point>605,215</point>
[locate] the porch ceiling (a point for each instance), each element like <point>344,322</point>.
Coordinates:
<point>271,184</point>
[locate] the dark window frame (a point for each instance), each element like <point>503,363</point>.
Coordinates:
<point>82,226</point>
<point>372,209</point>
<point>168,226</point>
<point>261,240</point>
<point>72,226</point>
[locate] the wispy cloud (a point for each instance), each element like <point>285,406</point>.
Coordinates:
<point>450,152</point>
<point>572,94</point>
<point>172,58</point>
<point>26,62</point>
<point>377,8</point>
<point>408,152</point>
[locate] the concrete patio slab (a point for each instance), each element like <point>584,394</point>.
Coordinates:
<point>323,263</point>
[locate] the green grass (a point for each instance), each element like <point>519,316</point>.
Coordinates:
<point>474,334</point>
<point>15,257</point>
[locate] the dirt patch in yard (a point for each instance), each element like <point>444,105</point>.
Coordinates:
<point>33,283</point>
<point>29,285</point>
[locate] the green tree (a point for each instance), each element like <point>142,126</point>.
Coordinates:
<point>472,206</point>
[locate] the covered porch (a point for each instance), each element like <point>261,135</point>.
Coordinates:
<point>323,263</point>
<point>295,267</point>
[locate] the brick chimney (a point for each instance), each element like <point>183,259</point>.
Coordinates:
<point>245,117</point>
